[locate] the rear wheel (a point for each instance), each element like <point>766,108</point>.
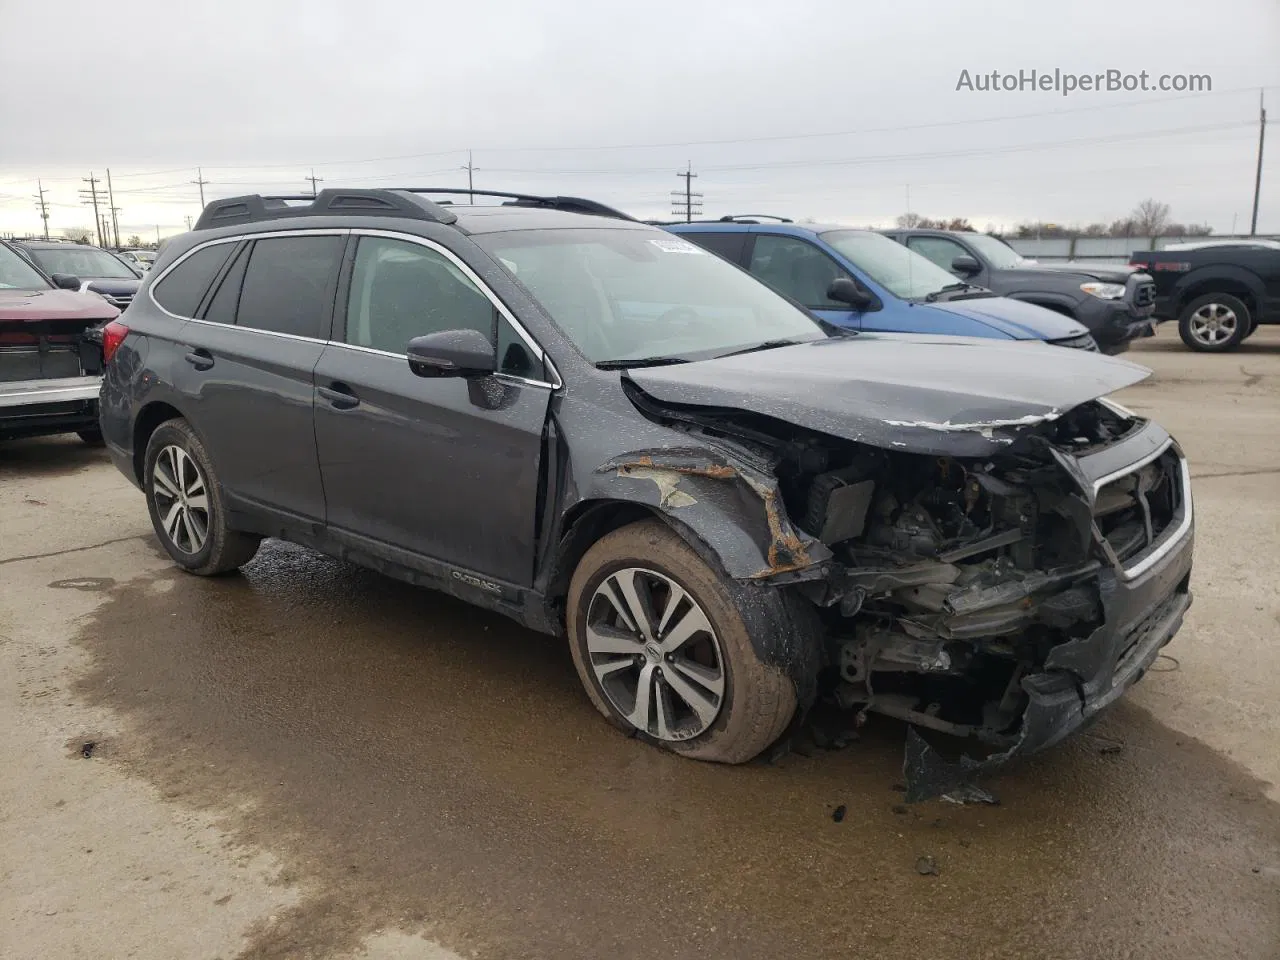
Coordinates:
<point>187,506</point>
<point>665,654</point>
<point>1215,323</point>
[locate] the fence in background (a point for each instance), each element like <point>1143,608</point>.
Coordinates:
<point>1100,248</point>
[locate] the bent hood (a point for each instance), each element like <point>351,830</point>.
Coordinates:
<point>1013,318</point>
<point>937,395</point>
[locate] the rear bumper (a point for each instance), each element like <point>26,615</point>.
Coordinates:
<point>25,393</point>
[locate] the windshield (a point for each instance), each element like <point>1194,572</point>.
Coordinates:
<point>998,253</point>
<point>624,294</point>
<point>83,262</point>
<point>17,274</point>
<point>902,272</point>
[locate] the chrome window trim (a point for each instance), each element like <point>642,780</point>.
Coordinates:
<point>312,232</point>
<point>403,357</point>
<point>265,333</point>
<point>1171,537</point>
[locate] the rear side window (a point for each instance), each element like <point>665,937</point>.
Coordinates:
<point>288,285</point>
<point>727,245</point>
<point>222,308</point>
<point>183,287</point>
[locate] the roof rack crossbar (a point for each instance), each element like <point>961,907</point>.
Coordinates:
<point>329,202</point>
<point>569,204</point>
<point>748,217</point>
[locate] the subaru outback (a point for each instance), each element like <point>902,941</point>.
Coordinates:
<point>724,504</point>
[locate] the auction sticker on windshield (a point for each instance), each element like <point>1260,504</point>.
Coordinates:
<point>675,245</point>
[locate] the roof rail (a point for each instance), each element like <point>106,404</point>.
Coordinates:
<point>753,218</point>
<point>568,204</point>
<point>330,202</point>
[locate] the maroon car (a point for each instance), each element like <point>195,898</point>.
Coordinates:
<point>50,352</point>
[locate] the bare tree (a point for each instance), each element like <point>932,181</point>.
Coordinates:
<point>908,220</point>
<point>1150,217</point>
<point>134,241</point>
<point>78,234</point>
<point>960,224</point>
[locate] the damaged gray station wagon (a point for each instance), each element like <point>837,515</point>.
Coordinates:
<point>606,433</point>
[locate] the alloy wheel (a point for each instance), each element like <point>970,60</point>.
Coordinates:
<point>181,499</point>
<point>1213,324</point>
<point>655,654</point>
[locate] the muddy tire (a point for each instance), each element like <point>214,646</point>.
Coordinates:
<point>1215,323</point>
<point>664,653</point>
<point>187,505</point>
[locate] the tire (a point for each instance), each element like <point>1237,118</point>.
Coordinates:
<point>756,700</point>
<point>1215,323</point>
<point>92,436</point>
<point>202,507</point>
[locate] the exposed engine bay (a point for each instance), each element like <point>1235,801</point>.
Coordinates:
<point>959,589</point>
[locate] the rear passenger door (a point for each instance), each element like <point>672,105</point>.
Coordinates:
<point>414,467</point>
<point>249,355</point>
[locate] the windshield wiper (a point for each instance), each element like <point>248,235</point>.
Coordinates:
<point>950,288</point>
<point>638,362</point>
<point>766,345</point>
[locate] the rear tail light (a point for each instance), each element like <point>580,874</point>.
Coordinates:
<point>113,335</point>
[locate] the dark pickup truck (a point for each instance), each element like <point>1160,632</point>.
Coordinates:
<point>1116,303</point>
<point>1219,292</point>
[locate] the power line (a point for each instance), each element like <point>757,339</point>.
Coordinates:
<point>93,182</point>
<point>44,208</point>
<point>687,206</point>
<point>200,181</point>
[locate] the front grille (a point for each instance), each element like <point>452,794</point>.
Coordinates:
<point>1083,342</point>
<point>1144,294</point>
<point>1134,510</point>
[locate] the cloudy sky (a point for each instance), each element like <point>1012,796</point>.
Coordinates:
<point>833,110</point>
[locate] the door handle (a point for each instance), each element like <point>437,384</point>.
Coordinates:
<point>339,396</point>
<point>200,359</point>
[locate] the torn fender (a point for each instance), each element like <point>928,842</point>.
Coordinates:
<point>735,510</point>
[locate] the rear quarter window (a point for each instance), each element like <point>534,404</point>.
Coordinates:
<point>183,287</point>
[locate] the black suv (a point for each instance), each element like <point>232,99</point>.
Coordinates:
<point>607,433</point>
<point>1116,303</point>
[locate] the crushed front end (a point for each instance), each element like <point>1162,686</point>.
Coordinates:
<point>1006,597</point>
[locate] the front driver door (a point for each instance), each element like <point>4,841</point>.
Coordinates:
<point>445,469</point>
<point>943,251</point>
<point>799,270</point>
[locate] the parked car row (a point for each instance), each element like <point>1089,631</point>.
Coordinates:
<point>727,502</point>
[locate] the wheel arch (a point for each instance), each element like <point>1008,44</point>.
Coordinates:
<point>148,420</point>
<point>1232,281</point>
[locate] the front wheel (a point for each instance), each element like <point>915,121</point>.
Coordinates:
<point>1215,323</point>
<point>187,506</point>
<point>664,653</point>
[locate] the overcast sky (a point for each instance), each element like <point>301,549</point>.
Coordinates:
<point>807,108</point>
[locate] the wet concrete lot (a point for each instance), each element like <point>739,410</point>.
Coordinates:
<point>310,760</point>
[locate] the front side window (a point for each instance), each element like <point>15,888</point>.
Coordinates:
<point>623,294</point>
<point>998,253</point>
<point>287,284</point>
<point>83,262</point>
<point>796,268</point>
<point>17,274</point>
<point>182,288</point>
<point>938,250</point>
<point>902,272</point>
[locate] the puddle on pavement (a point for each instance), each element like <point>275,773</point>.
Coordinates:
<point>424,766</point>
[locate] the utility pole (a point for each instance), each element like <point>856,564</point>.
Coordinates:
<point>106,230</point>
<point>157,236</point>
<point>44,208</point>
<point>686,202</point>
<point>93,182</point>
<point>314,180</point>
<point>188,219</point>
<point>1257,180</point>
<point>470,168</point>
<point>200,181</point>
<point>111,200</point>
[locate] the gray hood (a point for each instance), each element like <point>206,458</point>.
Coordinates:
<point>936,395</point>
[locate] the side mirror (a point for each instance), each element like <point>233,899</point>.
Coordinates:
<point>65,281</point>
<point>846,290</point>
<point>966,266</point>
<point>452,353</point>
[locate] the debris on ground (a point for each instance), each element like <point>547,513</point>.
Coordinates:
<point>969,793</point>
<point>900,809</point>
<point>838,813</point>
<point>926,866</point>
<point>86,749</point>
